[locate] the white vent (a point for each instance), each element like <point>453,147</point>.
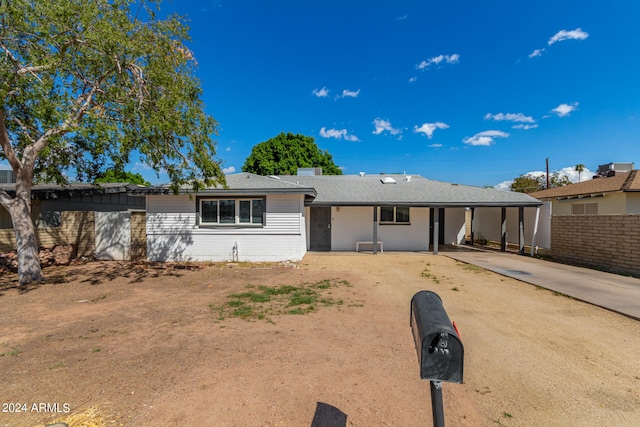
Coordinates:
<point>362,174</point>
<point>407,178</point>
<point>387,180</point>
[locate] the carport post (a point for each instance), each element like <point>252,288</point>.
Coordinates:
<point>535,230</point>
<point>436,230</point>
<point>521,221</point>
<point>503,237</point>
<point>375,230</point>
<point>473,214</point>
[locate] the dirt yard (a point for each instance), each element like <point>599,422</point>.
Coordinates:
<point>146,345</point>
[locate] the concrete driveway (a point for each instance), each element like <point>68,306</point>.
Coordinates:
<point>611,291</point>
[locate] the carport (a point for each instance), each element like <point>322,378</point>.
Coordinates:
<point>399,194</point>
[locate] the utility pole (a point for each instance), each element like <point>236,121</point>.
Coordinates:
<point>547,173</point>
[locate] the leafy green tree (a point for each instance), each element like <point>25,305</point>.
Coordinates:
<point>530,184</point>
<point>119,175</point>
<point>285,153</point>
<point>84,84</point>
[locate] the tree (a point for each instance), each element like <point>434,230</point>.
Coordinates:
<point>85,85</point>
<point>285,153</point>
<point>119,175</point>
<point>579,168</point>
<point>527,183</point>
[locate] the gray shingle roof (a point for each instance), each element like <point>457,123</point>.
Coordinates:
<point>244,183</point>
<point>355,190</point>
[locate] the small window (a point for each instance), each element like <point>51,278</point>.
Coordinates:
<point>394,214</point>
<point>584,209</point>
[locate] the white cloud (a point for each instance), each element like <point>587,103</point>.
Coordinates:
<point>569,171</point>
<point>435,145</point>
<point>348,94</point>
<point>525,127</point>
<point>401,18</point>
<point>321,93</point>
<point>504,185</point>
<point>228,170</point>
<point>563,110</point>
<point>412,79</point>
<point>382,125</point>
<point>511,117</point>
<point>485,138</point>
<point>449,59</point>
<point>338,134</point>
<point>227,149</point>
<point>562,35</point>
<point>429,128</point>
<point>537,52</point>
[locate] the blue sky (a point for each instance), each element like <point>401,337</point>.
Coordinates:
<point>471,92</point>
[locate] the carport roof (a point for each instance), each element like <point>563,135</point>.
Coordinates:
<point>369,190</point>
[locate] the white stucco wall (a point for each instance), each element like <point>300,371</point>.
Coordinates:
<point>454,226</point>
<point>172,233</point>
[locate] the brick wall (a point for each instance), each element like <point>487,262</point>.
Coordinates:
<point>77,229</point>
<point>608,242</point>
<point>138,235</point>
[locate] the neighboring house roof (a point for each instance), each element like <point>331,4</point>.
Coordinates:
<point>242,183</point>
<point>55,191</point>
<point>625,181</point>
<point>368,190</point>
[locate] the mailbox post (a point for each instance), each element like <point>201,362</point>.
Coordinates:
<point>440,351</point>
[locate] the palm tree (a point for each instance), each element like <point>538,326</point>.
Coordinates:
<point>579,168</point>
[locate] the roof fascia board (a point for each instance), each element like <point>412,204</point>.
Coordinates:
<point>427,205</point>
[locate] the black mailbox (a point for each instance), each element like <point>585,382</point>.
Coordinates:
<point>440,351</point>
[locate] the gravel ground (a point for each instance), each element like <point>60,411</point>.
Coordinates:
<point>144,345</point>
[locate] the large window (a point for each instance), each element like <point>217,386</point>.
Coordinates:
<point>232,211</point>
<point>394,215</point>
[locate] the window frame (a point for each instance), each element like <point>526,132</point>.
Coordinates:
<point>396,220</point>
<point>238,219</point>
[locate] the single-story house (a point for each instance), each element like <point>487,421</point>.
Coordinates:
<point>618,193</point>
<point>275,218</point>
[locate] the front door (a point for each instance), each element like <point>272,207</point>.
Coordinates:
<point>320,233</point>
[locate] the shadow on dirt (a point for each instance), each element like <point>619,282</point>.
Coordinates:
<point>96,273</point>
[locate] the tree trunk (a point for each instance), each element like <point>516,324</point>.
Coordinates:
<point>29,269</point>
